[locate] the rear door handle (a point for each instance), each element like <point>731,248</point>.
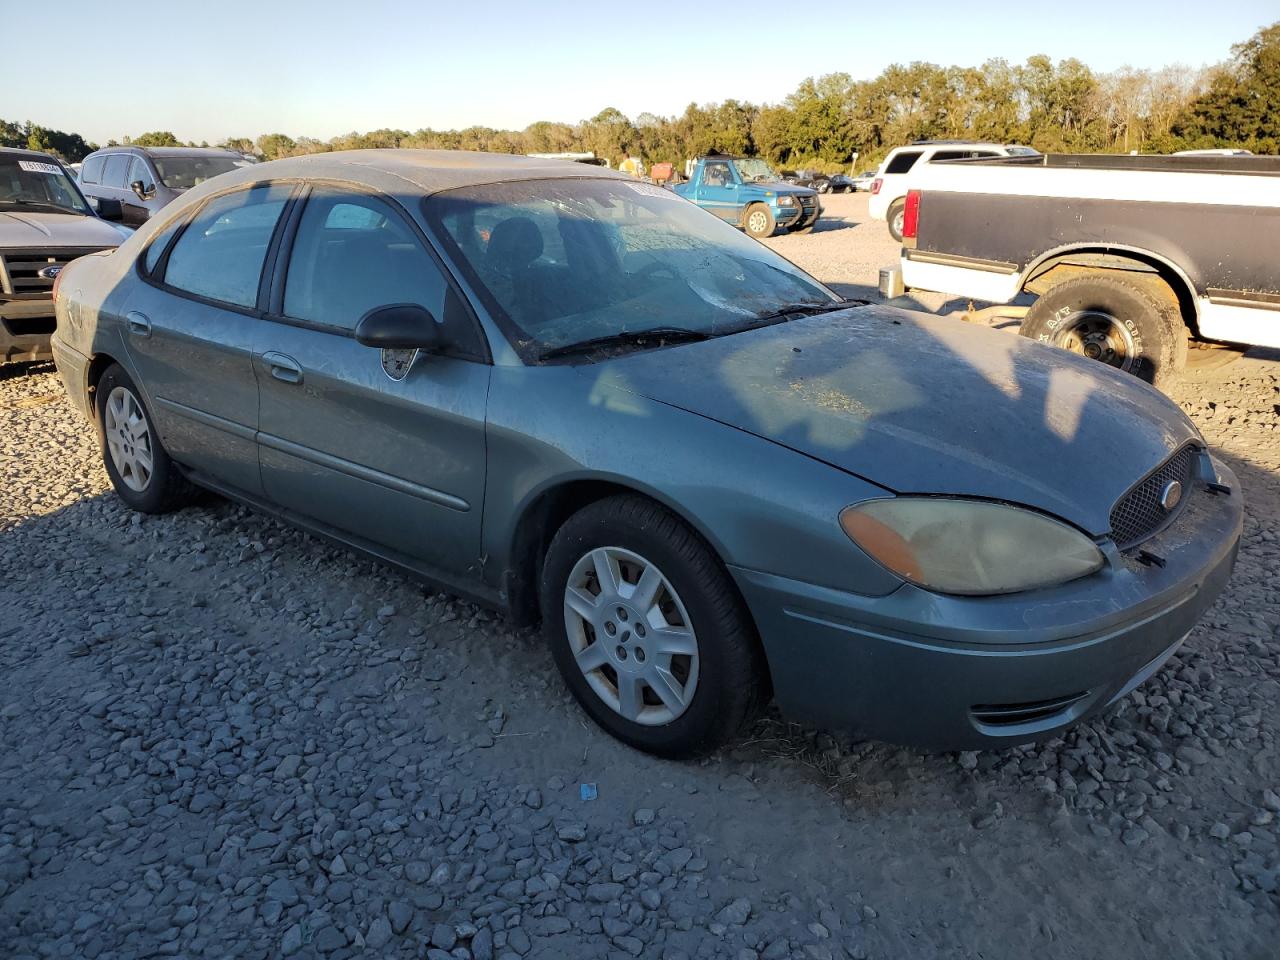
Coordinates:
<point>283,367</point>
<point>138,323</point>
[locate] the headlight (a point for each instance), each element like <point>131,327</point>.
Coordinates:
<point>786,201</point>
<point>969,546</point>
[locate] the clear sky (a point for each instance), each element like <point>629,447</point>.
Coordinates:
<point>237,68</point>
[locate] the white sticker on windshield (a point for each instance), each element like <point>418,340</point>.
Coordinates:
<point>649,190</point>
<point>35,166</point>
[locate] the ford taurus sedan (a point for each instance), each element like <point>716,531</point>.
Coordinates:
<point>579,399</point>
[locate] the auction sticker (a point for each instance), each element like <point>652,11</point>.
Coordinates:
<point>34,166</point>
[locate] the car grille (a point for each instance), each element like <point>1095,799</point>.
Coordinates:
<point>1015,714</point>
<point>1138,515</point>
<point>808,203</point>
<point>20,271</point>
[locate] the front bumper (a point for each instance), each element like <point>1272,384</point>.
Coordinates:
<point>956,673</point>
<point>25,327</point>
<point>73,370</point>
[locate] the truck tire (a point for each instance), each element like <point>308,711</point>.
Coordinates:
<point>897,210</point>
<point>1128,321</point>
<point>758,221</point>
<point>675,669</point>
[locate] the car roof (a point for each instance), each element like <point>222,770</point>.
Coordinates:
<point>30,154</point>
<point>430,171</point>
<point>170,151</point>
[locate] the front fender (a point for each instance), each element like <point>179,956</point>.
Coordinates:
<point>760,506</point>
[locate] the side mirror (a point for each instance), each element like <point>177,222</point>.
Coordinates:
<point>142,192</point>
<point>401,326</point>
<point>110,209</point>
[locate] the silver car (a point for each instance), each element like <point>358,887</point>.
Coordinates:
<point>145,179</point>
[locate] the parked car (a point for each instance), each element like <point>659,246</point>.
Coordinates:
<point>748,193</point>
<point>577,398</point>
<point>45,223</point>
<point>894,178</point>
<point>863,181</point>
<point>815,180</point>
<point>1128,255</point>
<point>145,179</point>
<point>839,183</point>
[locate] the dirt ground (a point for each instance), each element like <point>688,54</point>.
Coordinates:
<point>223,738</point>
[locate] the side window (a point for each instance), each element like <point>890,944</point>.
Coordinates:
<point>949,155</point>
<point>138,170</point>
<point>155,250</point>
<point>91,172</point>
<point>114,173</point>
<point>903,162</point>
<point>220,254</point>
<point>353,253</point>
<point>716,175</point>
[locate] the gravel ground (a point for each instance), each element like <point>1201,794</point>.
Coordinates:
<point>223,738</point>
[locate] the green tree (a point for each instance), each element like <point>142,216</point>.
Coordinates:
<point>1241,108</point>
<point>275,145</point>
<point>156,138</point>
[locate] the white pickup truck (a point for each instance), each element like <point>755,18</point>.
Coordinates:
<point>1128,256</point>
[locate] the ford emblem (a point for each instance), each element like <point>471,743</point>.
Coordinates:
<point>49,272</point>
<point>1170,495</point>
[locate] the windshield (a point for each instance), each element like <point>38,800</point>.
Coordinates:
<point>755,169</point>
<point>560,262</point>
<point>33,183</point>
<point>183,173</point>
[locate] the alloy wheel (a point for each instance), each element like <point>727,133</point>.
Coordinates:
<point>631,636</point>
<point>128,439</point>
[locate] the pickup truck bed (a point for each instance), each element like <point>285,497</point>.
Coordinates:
<point>1201,232</point>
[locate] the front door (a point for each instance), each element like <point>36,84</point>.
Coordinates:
<point>134,208</point>
<point>718,190</point>
<point>387,452</point>
<point>191,330</point>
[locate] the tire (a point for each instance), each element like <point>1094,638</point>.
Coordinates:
<point>1125,320</point>
<point>720,687</point>
<point>894,218</point>
<point>807,228</point>
<point>140,470</point>
<point>756,225</point>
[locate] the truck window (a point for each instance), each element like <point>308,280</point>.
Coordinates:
<point>903,162</point>
<point>716,175</point>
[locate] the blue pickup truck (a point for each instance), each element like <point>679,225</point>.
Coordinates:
<point>747,193</point>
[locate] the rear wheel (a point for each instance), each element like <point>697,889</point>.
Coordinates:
<point>647,629</point>
<point>758,221</point>
<point>1128,322</point>
<point>136,462</point>
<point>897,213</point>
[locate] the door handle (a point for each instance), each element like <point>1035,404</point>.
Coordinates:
<point>138,323</point>
<point>283,367</point>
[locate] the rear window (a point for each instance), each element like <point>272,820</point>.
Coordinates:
<point>902,162</point>
<point>91,172</point>
<point>962,154</point>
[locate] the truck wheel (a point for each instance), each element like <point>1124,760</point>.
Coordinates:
<point>896,213</point>
<point>758,221</point>
<point>647,629</point>
<point>139,468</point>
<point>1128,323</point>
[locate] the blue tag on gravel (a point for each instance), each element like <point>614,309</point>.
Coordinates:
<point>587,791</point>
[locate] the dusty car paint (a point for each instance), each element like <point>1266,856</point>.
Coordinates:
<point>757,440</point>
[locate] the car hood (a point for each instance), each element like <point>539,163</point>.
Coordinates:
<point>56,230</point>
<point>922,404</point>
<point>780,187</point>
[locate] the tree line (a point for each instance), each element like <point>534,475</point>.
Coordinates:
<point>1054,107</point>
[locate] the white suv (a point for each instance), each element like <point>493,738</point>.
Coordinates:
<point>893,179</point>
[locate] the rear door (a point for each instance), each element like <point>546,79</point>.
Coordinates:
<point>192,326</point>
<point>384,449</point>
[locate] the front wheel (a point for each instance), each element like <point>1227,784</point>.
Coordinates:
<point>1130,323</point>
<point>758,221</point>
<point>647,629</point>
<point>897,215</point>
<point>136,462</point>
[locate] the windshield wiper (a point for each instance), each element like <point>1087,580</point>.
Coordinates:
<point>41,203</point>
<point>651,337</point>
<point>803,309</point>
